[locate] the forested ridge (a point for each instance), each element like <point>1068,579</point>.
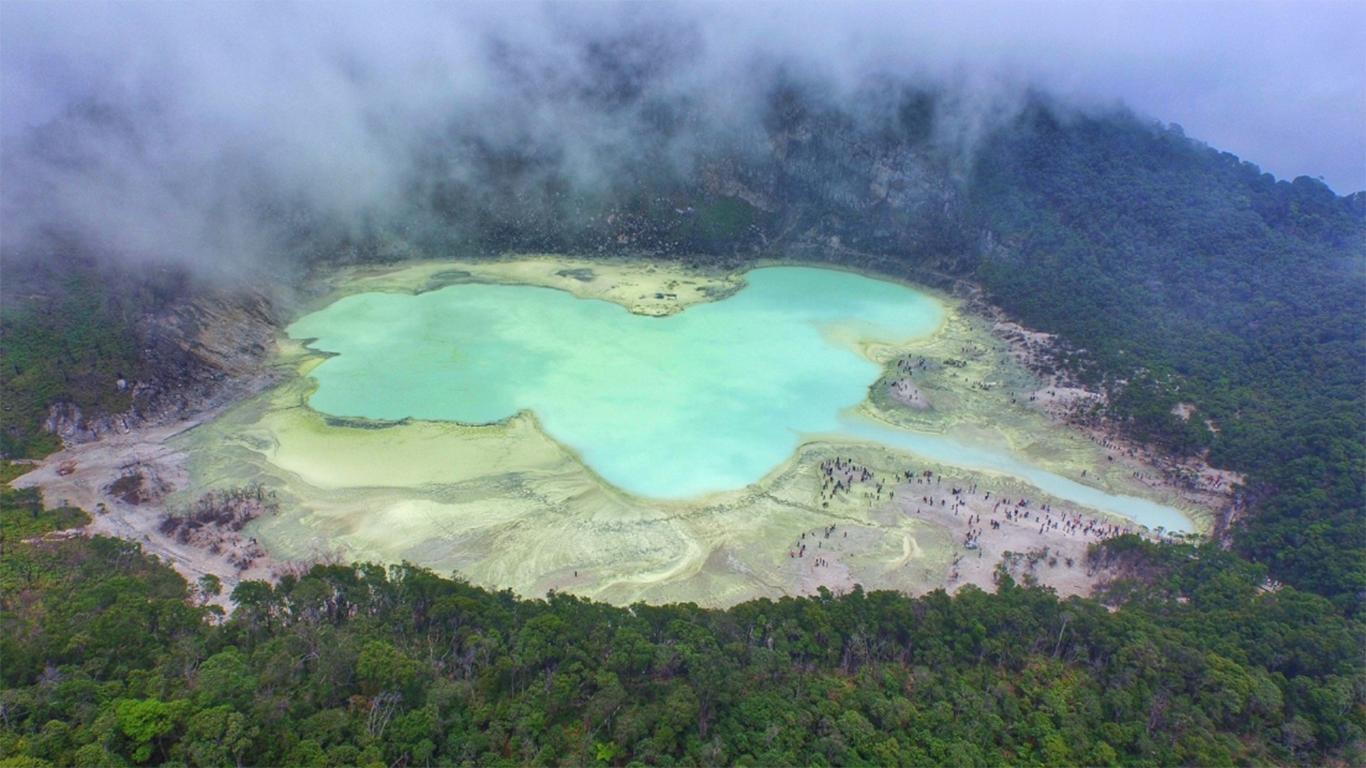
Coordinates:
<point>110,659</point>
<point>1190,276</point>
<point>1171,272</point>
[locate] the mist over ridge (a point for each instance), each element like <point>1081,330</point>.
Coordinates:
<point>224,134</point>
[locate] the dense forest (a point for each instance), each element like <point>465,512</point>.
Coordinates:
<point>111,659</point>
<point>1172,272</point>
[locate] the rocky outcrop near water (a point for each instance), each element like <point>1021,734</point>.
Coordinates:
<point>201,352</point>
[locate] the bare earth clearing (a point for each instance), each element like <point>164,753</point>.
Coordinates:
<point>82,476</point>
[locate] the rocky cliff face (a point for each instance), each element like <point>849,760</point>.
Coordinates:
<point>201,352</point>
<point>821,173</point>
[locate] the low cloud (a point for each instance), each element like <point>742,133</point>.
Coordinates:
<point>197,132</point>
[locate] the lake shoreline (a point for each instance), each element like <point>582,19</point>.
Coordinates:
<point>711,570</point>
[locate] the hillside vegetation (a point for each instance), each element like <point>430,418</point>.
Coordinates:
<point>1188,276</point>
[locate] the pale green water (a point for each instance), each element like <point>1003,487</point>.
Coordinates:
<point>1149,513</point>
<point>710,399</point>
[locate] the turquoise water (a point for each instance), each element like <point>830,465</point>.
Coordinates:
<point>709,399</point>
<point>1149,513</point>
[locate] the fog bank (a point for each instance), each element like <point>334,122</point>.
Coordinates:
<point>200,132</point>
